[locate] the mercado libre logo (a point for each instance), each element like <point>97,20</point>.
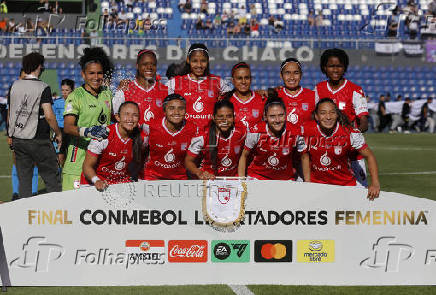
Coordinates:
<point>230,251</point>
<point>315,251</point>
<point>187,251</point>
<point>273,251</point>
<point>146,251</point>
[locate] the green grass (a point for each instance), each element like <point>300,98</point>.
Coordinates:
<point>396,153</point>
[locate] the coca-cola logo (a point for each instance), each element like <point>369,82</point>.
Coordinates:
<point>187,251</point>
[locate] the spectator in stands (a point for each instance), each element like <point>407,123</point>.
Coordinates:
<point>432,8</point>
<point>114,15</point>
<point>278,25</point>
<point>45,6</point>
<point>319,19</point>
<point>311,19</point>
<point>393,22</point>
<point>217,20</point>
<point>230,29</point>
<point>242,19</point>
<point>271,20</point>
<point>181,5</point>
<point>253,11</point>
<point>3,24</point>
<point>188,6</point>
<point>199,24</point>
<point>405,112</point>
<point>412,23</point>
<point>225,18</point>
<point>373,119</point>
<point>203,7</point>
<point>209,25</point>
<point>29,27</point>
<point>399,97</point>
<point>106,16</point>
<point>254,29</point>
<point>12,25</point>
<point>426,120</point>
<point>247,29</point>
<point>147,24</point>
<point>237,29</point>
<point>3,7</point>
<point>129,4</point>
<point>382,114</point>
<point>123,18</point>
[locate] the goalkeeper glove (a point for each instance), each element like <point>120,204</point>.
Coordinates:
<point>95,132</point>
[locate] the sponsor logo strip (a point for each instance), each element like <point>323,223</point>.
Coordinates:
<point>273,251</point>
<point>187,251</point>
<point>230,251</point>
<point>315,251</point>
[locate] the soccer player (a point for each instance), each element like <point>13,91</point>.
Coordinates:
<point>330,144</point>
<point>67,86</point>
<point>299,101</point>
<point>108,161</point>
<point>247,103</point>
<point>348,96</point>
<point>145,90</point>
<point>168,141</point>
<point>87,113</point>
<point>200,88</point>
<point>272,142</point>
<point>221,144</point>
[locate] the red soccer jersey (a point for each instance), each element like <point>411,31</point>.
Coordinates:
<point>272,156</point>
<point>349,98</point>
<point>299,107</point>
<point>167,150</point>
<point>330,156</point>
<point>248,112</point>
<point>149,101</point>
<point>200,96</point>
<point>228,151</point>
<point>114,154</point>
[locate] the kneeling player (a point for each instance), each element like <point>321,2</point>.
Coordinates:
<point>330,143</point>
<point>221,144</point>
<point>113,160</point>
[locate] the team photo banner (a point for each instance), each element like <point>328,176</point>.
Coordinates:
<point>155,233</point>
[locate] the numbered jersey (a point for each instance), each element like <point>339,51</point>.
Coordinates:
<point>248,112</point>
<point>272,155</point>
<point>299,107</point>
<point>330,156</point>
<point>200,96</point>
<point>167,150</point>
<point>349,98</point>
<point>114,155</point>
<point>228,151</point>
<point>149,101</point>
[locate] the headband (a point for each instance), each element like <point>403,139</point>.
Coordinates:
<point>144,51</point>
<point>289,61</point>
<point>239,65</point>
<point>190,51</point>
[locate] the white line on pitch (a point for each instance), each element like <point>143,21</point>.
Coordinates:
<point>5,176</point>
<point>403,148</point>
<point>410,173</point>
<point>241,290</point>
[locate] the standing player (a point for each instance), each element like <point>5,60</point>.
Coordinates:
<point>145,90</point>
<point>272,143</point>
<point>110,161</point>
<point>348,96</point>
<point>168,141</point>
<point>330,145</point>
<point>200,88</point>
<point>247,103</point>
<point>299,101</point>
<point>221,144</point>
<point>87,113</point>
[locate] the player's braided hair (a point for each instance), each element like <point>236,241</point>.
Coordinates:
<point>334,52</point>
<point>97,55</point>
<point>342,118</point>
<point>213,147</point>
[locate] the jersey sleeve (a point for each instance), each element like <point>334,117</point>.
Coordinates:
<point>251,140</point>
<point>316,95</point>
<point>357,140</point>
<point>225,86</point>
<point>196,146</point>
<point>117,100</point>
<point>171,84</point>
<point>145,134</point>
<point>72,106</point>
<point>145,137</point>
<point>359,103</point>
<point>96,147</point>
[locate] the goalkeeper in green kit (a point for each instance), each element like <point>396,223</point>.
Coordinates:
<point>87,113</point>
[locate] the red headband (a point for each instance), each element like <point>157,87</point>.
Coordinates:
<point>239,65</point>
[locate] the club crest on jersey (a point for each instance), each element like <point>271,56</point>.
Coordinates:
<point>338,150</point>
<point>183,146</point>
<point>273,161</point>
<point>285,151</point>
<point>107,104</point>
<point>325,160</point>
<point>210,93</point>
<point>305,106</point>
<point>169,156</point>
<point>341,105</point>
<point>159,102</point>
<point>198,105</point>
<point>120,164</point>
<point>226,162</point>
<point>223,195</point>
<point>255,113</point>
<point>237,149</point>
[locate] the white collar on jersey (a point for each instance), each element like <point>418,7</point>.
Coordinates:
<point>244,102</point>
<point>119,135</point>
<point>169,132</point>
<point>199,80</point>
<point>271,134</point>
<point>228,138</point>
<point>337,90</point>
<point>295,95</point>
<point>322,133</point>
<point>142,88</point>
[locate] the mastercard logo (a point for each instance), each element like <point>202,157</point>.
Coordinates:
<point>273,251</point>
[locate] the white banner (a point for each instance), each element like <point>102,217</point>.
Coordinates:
<point>395,107</point>
<point>293,233</point>
<point>388,47</point>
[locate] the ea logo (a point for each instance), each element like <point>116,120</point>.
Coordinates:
<point>226,162</point>
<point>222,251</point>
<point>169,156</point>
<point>325,160</point>
<point>198,105</point>
<point>120,164</point>
<point>145,246</point>
<point>273,161</point>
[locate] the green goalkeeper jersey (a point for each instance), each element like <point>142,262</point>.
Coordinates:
<point>89,111</point>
